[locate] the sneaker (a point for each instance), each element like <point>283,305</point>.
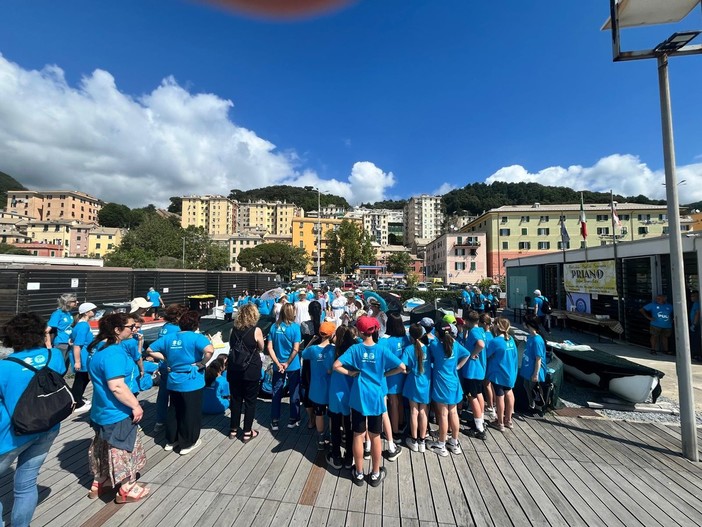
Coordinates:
<point>455,448</point>
<point>412,444</point>
<point>490,414</point>
<point>293,424</point>
<point>480,434</point>
<point>186,451</point>
<point>376,479</point>
<point>421,445</point>
<point>85,407</point>
<point>358,478</point>
<point>392,456</point>
<point>366,453</point>
<point>497,426</point>
<point>321,444</point>
<point>438,449</point>
<point>274,426</point>
<point>334,461</point>
<point>509,424</point>
<point>348,460</point>
<point>170,446</point>
<point>158,427</point>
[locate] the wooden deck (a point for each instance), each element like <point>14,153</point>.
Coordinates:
<point>551,471</point>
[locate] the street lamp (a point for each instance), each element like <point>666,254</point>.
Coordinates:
<point>647,13</point>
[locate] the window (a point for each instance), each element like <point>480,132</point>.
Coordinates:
<point>543,232</point>
<point>543,219</point>
<point>643,230</point>
<point>460,266</point>
<point>460,252</point>
<point>663,217</point>
<point>524,219</point>
<point>504,219</point>
<point>472,266</point>
<point>525,231</point>
<point>624,217</point>
<point>505,245</point>
<point>644,217</point>
<point>602,217</point>
<point>562,246</point>
<point>603,231</point>
<point>544,246</point>
<point>504,232</point>
<point>459,240</point>
<point>98,245</point>
<point>583,244</point>
<point>524,246</point>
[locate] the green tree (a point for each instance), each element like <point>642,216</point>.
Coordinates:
<point>399,262</point>
<point>279,258</point>
<point>115,215</point>
<point>347,247</point>
<point>176,205</point>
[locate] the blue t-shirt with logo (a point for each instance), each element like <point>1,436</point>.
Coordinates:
<point>228,304</point>
<point>284,337</point>
<point>367,392</point>
<point>662,315</point>
<point>106,364</point>
<point>397,346</point>
<point>80,336</point>
<point>131,346</point>
<point>321,362</point>
<point>63,322</point>
<point>474,368</point>
<point>535,349</point>
<point>13,381</point>
<point>445,386</point>
<point>154,297</point>
<point>417,385</point>
<point>215,397</point>
<point>502,357</point>
<point>182,350</point>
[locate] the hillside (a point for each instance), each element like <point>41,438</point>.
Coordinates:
<point>7,182</point>
<point>307,199</point>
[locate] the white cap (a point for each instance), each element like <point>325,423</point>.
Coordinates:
<point>139,303</point>
<point>85,307</point>
<point>537,292</point>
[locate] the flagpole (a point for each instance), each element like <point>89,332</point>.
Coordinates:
<point>583,225</point>
<point>565,239</point>
<point>614,246</point>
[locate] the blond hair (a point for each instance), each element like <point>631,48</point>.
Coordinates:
<point>287,314</point>
<point>502,325</point>
<point>247,317</point>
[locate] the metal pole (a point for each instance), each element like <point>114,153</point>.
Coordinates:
<point>682,337</point>
<point>183,253</point>
<point>319,235</point>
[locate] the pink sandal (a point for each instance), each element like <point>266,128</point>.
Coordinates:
<point>97,489</point>
<point>134,494</point>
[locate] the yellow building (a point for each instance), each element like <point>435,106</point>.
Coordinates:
<point>72,236</point>
<point>239,242</point>
<point>54,205</point>
<point>304,235</point>
<point>523,230</point>
<point>104,240</point>
<point>216,214</point>
<point>267,217</point>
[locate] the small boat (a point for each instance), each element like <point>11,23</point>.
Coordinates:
<point>625,379</point>
<point>411,303</point>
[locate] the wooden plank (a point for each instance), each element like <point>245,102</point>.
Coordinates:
<point>336,517</point>
<point>278,461</point>
<point>286,476</point>
<point>495,505</point>
<point>218,506</point>
<point>533,510</point>
<point>406,493</point>
<point>390,504</point>
<point>308,455</point>
<point>248,512</point>
<point>466,499</point>
<point>302,515</point>
<point>326,492</point>
<point>422,488</point>
<point>319,517</point>
<point>436,470</point>
<point>271,512</point>
<point>354,519</point>
<point>197,509</point>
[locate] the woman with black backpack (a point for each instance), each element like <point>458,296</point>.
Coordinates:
<point>244,371</point>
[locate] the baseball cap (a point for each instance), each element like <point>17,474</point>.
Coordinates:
<point>449,328</point>
<point>139,303</point>
<point>427,323</point>
<point>367,325</point>
<point>537,292</point>
<point>327,329</point>
<point>85,307</point>
<point>450,318</point>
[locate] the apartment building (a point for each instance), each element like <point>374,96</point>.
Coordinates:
<point>72,236</point>
<point>239,242</point>
<point>514,231</point>
<point>54,205</point>
<point>214,213</point>
<point>267,217</point>
<point>456,258</point>
<point>304,235</point>
<point>422,218</point>
<point>104,240</point>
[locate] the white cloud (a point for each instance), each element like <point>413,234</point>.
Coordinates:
<point>624,174</point>
<point>443,189</point>
<point>140,150</point>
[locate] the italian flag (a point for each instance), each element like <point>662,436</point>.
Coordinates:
<point>583,219</point>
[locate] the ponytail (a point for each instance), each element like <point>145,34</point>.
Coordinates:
<point>502,325</point>
<point>416,333</point>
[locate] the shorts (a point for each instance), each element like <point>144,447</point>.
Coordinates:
<point>500,390</point>
<point>660,332</point>
<point>472,387</point>
<point>320,410</point>
<point>358,423</point>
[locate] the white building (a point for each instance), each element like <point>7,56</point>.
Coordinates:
<point>423,218</point>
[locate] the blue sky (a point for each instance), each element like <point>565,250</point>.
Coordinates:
<point>136,101</point>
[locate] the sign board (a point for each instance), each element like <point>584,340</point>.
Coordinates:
<point>590,277</point>
<point>165,290</point>
<point>33,286</point>
<point>74,283</point>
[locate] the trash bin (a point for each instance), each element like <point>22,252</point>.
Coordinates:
<point>204,304</point>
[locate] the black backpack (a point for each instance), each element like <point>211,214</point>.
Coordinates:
<point>240,355</point>
<point>476,303</point>
<point>45,402</point>
<point>546,308</point>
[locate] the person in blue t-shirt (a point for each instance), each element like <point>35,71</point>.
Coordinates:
<point>544,318</point>
<point>695,343</point>
<point>186,353</point>
<point>396,340</point>
<point>466,297</point>
<point>154,297</point>
<point>60,325</point>
<point>215,399</point>
<point>284,341</point>
<point>473,373</point>
<point>339,403</point>
<point>25,334</point>
<point>501,371</point>
<point>116,454</point>
<point>321,358</point>
<point>134,347</point>
<point>228,303</point>
<point>369,363</point>
<point>533,368</point>
<point>417,387</point>
<point>489,413</point>
<point>660,316</point>
<point>81,336</point>
<point>447,357</point>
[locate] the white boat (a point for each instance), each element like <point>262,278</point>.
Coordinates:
<point>411,303</point>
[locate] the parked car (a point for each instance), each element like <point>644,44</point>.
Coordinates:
<point>422,286</point>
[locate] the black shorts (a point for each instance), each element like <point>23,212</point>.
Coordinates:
<point>320,410</point>
<point>500,390</point>
<point>472,387</point>
<point>358,423</point>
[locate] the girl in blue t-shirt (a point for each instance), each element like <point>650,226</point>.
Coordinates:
<point>228,303</point>
<point>320,359</point>
<point>417,387</point>
<point>448,356</point>
<point>283,346</point>
<point>215,399</point>
<point>134,347</point>
<point>78,342</point>
<point>473,372</point>
<point>486,323</point>
<point>339,402</point>
<point>396,340</point>
<point>501,371</point>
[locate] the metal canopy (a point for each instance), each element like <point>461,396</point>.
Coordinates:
<point>632,13</point>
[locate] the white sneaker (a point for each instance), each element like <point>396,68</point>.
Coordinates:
<point>186,451</point>
<point>412,444</point>
<point>454,447</point>
<point>170,446</point>
<point>438,449</point>
<point>421,445</point>
<point>83,409</point>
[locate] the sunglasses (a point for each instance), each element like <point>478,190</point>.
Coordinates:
<point>132,326</point>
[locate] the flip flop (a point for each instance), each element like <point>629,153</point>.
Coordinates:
<point>249,436</point>
<point>134,494</point>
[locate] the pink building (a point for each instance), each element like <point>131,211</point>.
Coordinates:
<point>457,258</point>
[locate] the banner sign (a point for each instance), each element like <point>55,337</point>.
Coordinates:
<point>590,277</point>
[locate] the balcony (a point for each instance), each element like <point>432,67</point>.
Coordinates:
<point>470,242</point>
